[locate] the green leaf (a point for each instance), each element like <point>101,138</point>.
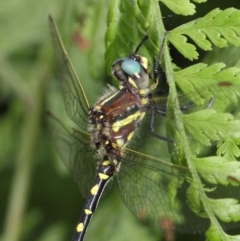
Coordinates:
<point>200,82</point>
<point>218,28</point>
<point>188,51</point>
<point>229,149</point>
<point>194,199</point>
<point>183,7</point>
<point>208,125</point>
<point>216,233</point>
<point>199,1</point>
<point>124,15</point>
<point>218,170</point>
<point>97,26</point>
<point>128,23</point>
<point>227,209</point>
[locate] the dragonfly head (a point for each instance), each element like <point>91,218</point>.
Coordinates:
<point>132,71</point>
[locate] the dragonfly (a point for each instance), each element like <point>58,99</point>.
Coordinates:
<point>108,143</point>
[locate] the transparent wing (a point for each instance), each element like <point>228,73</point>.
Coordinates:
<point>76,152</point>
<point>164,195</point>
<point>75,100</point>
<point>149,189</point>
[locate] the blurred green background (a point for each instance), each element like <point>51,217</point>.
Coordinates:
<point>39,200</point>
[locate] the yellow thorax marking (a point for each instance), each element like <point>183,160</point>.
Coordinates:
<point>132,83</point>
<point>130,136</point>
<point>109,98</point>
<point>97,107</point>
<point>144,62</point>
<point>120,123</point>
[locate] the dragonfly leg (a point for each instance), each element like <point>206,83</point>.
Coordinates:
<point>161,110</point>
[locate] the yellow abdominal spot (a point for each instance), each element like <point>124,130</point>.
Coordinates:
<point>87,211</point>
<point>79,227</point>
<point>94,189</point>
<point>120,123</point>
<point>103,176</point>
<point>105,163</point>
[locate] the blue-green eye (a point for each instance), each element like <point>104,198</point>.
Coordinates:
<point>130,67</point>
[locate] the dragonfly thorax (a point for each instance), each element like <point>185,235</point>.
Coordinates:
<point>113,121</point>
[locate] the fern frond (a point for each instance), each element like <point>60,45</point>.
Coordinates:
<point>218,27</point>
<point>221,209</point>
<point>228,149</point>
<point>208,82</point>
<point>183,7</point>
<point>216,170</point>
<point>208,125</point>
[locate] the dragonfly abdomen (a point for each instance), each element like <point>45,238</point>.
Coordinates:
<point>105,172</point>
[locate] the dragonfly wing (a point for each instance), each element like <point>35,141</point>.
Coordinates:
<point>155,191</point>
<point>76,103</point>
<point>75,150</point>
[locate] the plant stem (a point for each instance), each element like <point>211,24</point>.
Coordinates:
<point>24,162</point>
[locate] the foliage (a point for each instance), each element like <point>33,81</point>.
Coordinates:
<point>43,201</point>
<point>199,82</point>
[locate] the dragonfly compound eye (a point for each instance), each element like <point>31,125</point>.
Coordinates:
<point>131,67</point>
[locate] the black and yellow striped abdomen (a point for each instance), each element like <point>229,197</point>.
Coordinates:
<point>105,172</point>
